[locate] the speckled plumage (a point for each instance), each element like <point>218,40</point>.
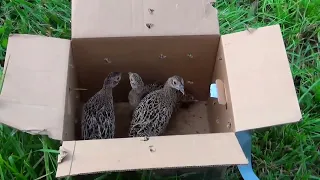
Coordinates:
<point>139,91</point>
<point>152,115</point>
<point>98,119</point>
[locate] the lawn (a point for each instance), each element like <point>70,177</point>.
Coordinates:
<point>284,152</point>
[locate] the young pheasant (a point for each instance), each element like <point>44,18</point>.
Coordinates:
<point>152,115</point>
<point>139,91</point>
<point>98,119</point>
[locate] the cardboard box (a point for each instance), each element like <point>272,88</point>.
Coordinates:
<point>47,79</point>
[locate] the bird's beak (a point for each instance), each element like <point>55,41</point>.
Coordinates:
<point>181,89</point>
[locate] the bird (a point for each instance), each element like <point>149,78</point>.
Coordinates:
<point>98,118</point>
<point>152,115</point>
<point>139,91</point>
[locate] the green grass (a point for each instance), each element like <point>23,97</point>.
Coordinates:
<point>284,152</point>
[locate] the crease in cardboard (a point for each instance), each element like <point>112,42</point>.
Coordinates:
<point>3,76</point>
<point>74,149</point>
<point>7,100</point>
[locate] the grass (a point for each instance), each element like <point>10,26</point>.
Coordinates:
<point>284,152</point>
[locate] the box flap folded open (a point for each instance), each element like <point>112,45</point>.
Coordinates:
<point>34,88</point>
<point>260,82</point>
<point>84,157</point>
<point>120,18</point>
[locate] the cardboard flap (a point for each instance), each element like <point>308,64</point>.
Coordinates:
<point>259,78</point>
<point>114,18</point>
<point>34,88</point>
<point>85,157</point>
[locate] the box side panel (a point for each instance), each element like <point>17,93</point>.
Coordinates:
<point>221,115</point>
<point>71,103</point>
<point>33,93</point>
<point>260,80</point>
<point>118,18</point>
<point>156,153</point>
<point>154,58</point>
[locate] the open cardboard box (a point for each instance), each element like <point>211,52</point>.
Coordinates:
<point>47,79</point>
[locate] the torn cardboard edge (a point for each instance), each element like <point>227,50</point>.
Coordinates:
<point>160,152</point>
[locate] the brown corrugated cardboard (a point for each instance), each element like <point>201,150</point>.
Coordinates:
<point>259,77</point>
<point>121,18</point>
<point>156,153</point>
<point>33,93</point>
<point>157,39</point>
<point>142,55</point>
<point>258,84</point>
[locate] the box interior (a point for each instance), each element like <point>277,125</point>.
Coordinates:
<point>144,55</point>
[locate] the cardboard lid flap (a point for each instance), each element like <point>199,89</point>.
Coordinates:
<point>261,86</point>
<point>120,18</point>
<point>33,93</point>
<point>85,157</point>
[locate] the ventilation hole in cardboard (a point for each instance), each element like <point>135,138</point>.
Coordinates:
<point>162,56</point>
<point>107,60</point>
<point>226,106</point>
<point>205,104</point>
<point>229,125</point>
<point>193,115</point>
<point>190,82</point>
<point>149,25</point>
<point>220,58</point>
<point>151,10</point>
<point>200,117</point>
<point>190,56</point>
<point>145,138</point>
<point>152,149</point>
<point>213,4</point>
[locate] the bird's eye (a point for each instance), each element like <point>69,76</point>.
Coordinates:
<point>174,82</point>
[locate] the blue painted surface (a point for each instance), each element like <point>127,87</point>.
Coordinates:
<point>244,138</point>
<point>213,91</point>
<point>246,171</point>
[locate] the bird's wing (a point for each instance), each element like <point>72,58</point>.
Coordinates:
<point>149,115</point>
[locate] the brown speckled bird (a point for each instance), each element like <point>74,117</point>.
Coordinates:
<point>139,91</point>
<point>152,115</point>
<point>98,119</point>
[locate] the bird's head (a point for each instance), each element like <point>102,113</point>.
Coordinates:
<point>177,83</point>
<point>135,80</point>
<point>112,80</point>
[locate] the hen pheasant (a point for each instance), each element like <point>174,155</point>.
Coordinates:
<point>139,91</point>
<point>152,115</point>
<point>98,119</point>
